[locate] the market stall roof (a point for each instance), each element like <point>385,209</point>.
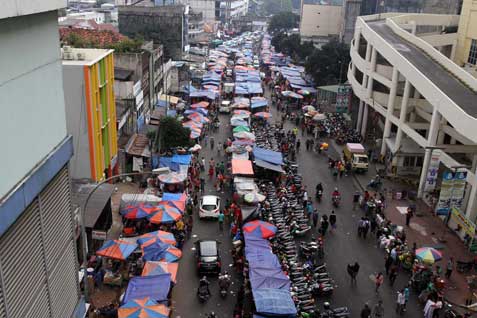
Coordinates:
<point>248,212</point>
<point>268,166</point>
<point>96,203</point>
<point>243,167</point>
<point>269,301</point>
<point>156,287</point>
<point>182,159</point>
<point>274,157</point>
<point>138,145</point>
<point>268,277</point>
<point>243,155</point>
<point>171,99</point>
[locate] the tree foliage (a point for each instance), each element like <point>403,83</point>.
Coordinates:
<point>291,45</point>
<point>172,134</point>
<point>329,64</point>
<point>276,6</point>
<point>283,21</point>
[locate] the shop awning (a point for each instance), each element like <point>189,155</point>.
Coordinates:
<point>243,167</point>
<point>171,99</point>
<point>273,157</point>
<point>156,287</point>
<point>268,166</point>
<point>96,204</point>
<point>138,145</point>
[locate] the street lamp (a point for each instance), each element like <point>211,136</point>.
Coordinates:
<point>84,239</point>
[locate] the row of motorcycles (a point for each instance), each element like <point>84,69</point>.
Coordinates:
<point>308,280</point>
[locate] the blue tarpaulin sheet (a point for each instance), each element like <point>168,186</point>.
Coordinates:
<point>171,113</point>
<point>167,162</point>
<point>181,159</point>
<point>167,196</point>
<point>156,287</point>
<point>202,93</point>
<point>155,161</point>
<point>258,103</point>
<point>274,302</point>
<point>265,277</point>
<point>270,156</point>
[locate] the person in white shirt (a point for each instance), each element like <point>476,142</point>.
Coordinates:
<point>401,302</point>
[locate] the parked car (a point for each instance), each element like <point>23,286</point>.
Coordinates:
<point>208,257</point>
<point>225,107</point>
<point>209,206</point>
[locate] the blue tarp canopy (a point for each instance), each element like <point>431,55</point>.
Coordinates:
<point>171,113</point>
<point>202,93</point>
<point>258,103</point>
<point>156,287</point>
<point>167,162</point>
<point>297,81</point>
<point>276,302</point>
<point>202,111</point>
<point>266,277</point>
<point>167,196</point>
<point>181,159</point>
<point>254,88</point>
<point>268,165</point>
<point>267,155</point>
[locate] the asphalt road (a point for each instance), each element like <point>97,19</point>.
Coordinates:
<point>185,301</point>
<point>341,247</point>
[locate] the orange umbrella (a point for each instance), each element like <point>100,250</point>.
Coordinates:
<point>152,268</point>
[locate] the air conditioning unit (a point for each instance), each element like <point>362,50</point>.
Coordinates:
<point>68,56</point>
<point>67,49</point>
<point>80,56</point>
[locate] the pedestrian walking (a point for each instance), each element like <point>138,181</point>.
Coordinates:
<point>333,220</point>
<point>298,144</point>
<point>387,263</point>
<point>202,184</point>
<point>324,225</point>
<point>309,211</point>
<point>353,271</point>
<point>366,311</point>
<point>316,217</point>
<point>211,172</point>
<point>378,310</point>
<point>221,218</point>
<point>409,215</point>
<point>393,273</point>
<point>407,293</point>
<point>366,227</point>
<point>400,303</point>
<point>378,281</point>
<point>212,141</point>
<point>449,267</point>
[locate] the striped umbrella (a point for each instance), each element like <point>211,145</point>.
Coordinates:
<point>428,255</point>
<point>162,236</point>
<point>260,228</point>
<point>200,105</point>
<point>241,112</point>
<point>152,268</point>
<point>138,211</point>
<point>304,92</point>
<point>264,115</point>
<point>157,251</point>
<point>172,177</point>
<point>165,215</point>
<point>241,128</point>
<point>143,308</point>
<point>116,249</point>
<point>199,118</point>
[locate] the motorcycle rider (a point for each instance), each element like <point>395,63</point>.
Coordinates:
<point>336,193</point>
<point>224,281</point>
<point>204,285</point>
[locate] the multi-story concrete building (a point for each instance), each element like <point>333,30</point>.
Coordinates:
<point>466,50</point>
<point>411,6</point>
<point>421,101</point>
<point>39,270</point>
<point>206,7</point>
<point>166,25</point>
<point>320,22</point>
<point>88,82</point>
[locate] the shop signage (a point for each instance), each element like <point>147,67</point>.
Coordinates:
<point>99,235</point>
<point>461,220</point>
<point>343,98</point>
<point>433,171</point>
<point>458,189</point>
<point>444,203</point>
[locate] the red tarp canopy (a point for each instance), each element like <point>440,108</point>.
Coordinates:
<point>241,166</point>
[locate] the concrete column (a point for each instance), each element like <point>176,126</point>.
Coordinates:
<point>390,110</point>
<point>374,56</point>
<point>441,135</point>
<point>471,210</point>
<point>366,58</point>
<point>402,115</point>
<point>357,36</point>
<point>453,50</point>
<point>360,115</point>
<point>425,167</point>
<point>431,141</point>
<point>364,126</point>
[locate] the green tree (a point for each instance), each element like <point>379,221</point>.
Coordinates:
<point>291,45</point>
<point>283,21</point>
<point>329,64</point>
<point>172,134</point>
<point>275,6</point>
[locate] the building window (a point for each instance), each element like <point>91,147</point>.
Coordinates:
<point>473,52</point>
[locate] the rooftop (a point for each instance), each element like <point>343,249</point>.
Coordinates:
<point>15,8</point>
<point>90,56</point>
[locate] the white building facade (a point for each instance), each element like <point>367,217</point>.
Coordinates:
<point>417,95</point>
<point>38,261</point>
